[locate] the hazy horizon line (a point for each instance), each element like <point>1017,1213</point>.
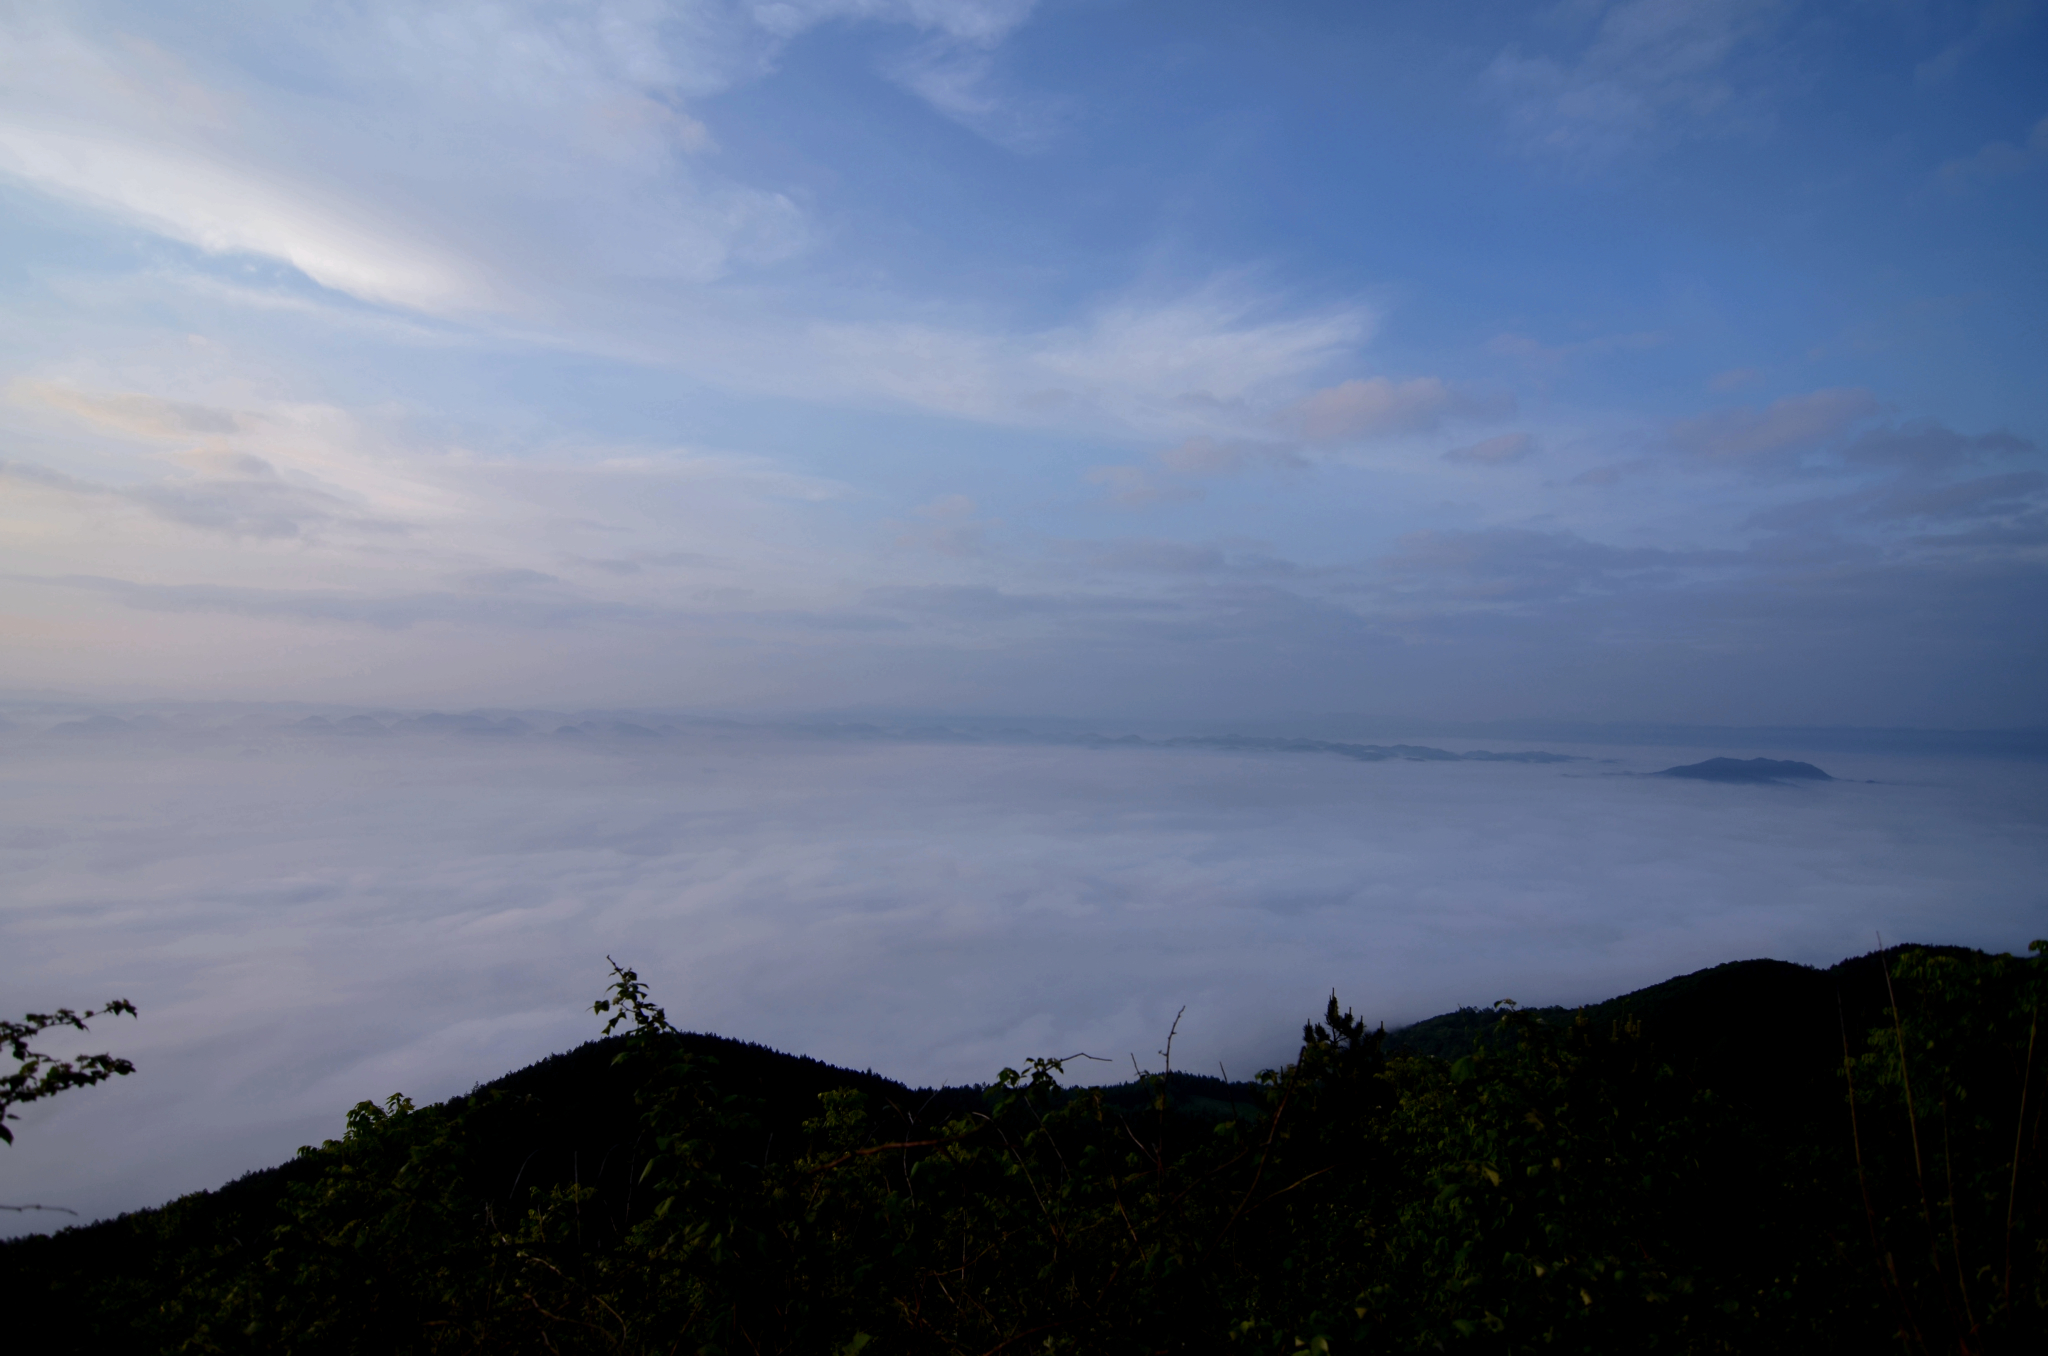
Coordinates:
<point>2029,742</point>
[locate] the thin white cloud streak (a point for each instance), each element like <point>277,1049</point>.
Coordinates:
<point>603,218</point>
<point>1650,72</point>
<point>339,554</point>
<point>1220,358</point>
<point>308,472</point>
<point>345,555</point>
<point>959,81</point>
<point>1342,421</point>
<point>1375,407</point>
<point>223,210</point>
<point>1998,160</point>
<point>127,129</point>
<point>372,186</point>
<point>311,920</point>
<point>1786,428</point>
<point>1495,451</point>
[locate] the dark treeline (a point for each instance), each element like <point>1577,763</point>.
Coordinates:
<point>1760,1157</point>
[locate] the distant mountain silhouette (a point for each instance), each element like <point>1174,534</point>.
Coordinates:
<point>92,725</point>
<point>1747,770</point>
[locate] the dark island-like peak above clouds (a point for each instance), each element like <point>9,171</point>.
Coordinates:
<point>1748,770</point>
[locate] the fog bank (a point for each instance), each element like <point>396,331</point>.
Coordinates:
<point>308,917</point>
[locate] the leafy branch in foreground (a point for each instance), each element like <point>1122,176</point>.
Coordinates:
<point>38,1075</point>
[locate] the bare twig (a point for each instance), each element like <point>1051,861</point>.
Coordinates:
<point>1124,1215</point>
<point>1166,1091</point>
<point>1955,1229</point>
<point>1082,1054</point>
<point>1051,1221</point>
<point>1301,1182</point>
<point>886,1148</point>
<point>1891,1271</point>
<point>2019,1132</point>
<point>1134,1137</point>
<point>1028,1332</point>
<point>1906,1078</point>
<point>1265,1150</point>
<point>1217,1171</point>
<point>1919,1172</point>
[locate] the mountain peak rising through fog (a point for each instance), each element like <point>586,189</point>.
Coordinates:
<point>1748,770</point>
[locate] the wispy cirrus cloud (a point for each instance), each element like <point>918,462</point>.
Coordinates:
<point>234,494</point>
<point>1519,565</point>
<point>132,412</point>
<point>1782,430</point>
<point>390,210</point>
<point>1994,23</point>
<point>959,80</point>
<point>1333,420</point>
<point>1649,72</point>
<point>1495,451</point>
<point>1998,160</point>
<point>1376,407</point>
<point>616,226</point>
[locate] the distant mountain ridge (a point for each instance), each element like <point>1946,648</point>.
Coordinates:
<point>30,713</point>
<point>615,729</point>
<point>1364,753</point>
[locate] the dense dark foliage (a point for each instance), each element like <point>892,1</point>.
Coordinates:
<point>1758,1157</point>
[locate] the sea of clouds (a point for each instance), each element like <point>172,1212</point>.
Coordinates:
<point>310,914</point>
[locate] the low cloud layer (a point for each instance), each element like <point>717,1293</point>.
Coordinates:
<point>312,914</point>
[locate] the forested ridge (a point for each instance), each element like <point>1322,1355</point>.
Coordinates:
<point>1757,1157</point>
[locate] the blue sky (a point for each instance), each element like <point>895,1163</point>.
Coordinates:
<point>1660,359</point>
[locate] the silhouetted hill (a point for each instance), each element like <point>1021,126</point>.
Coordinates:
<point>1764,1035</point>
<point>1756,1029</point>
<point>569,1118</point>
<point>1712,1102</point>
<point>1747,770</point>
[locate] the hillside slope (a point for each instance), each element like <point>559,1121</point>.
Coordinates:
<point>639,1188</point>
